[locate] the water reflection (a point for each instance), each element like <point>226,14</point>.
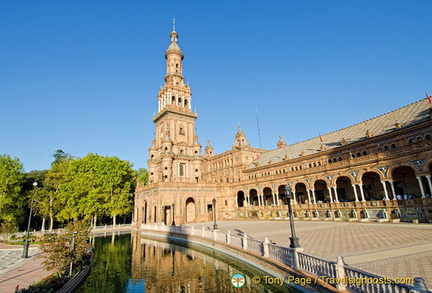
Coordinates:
<point>128,263</point>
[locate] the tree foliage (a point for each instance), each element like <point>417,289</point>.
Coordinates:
<point>94,187</point>
<point>97,186</point>
<point>60,251</point>
<point>142,176</point>
<point>11,180</point>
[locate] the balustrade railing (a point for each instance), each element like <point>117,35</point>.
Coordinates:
<point>281,254</point>
<point>337,274</point>
<point>360,281</point>
<point>316,265</point>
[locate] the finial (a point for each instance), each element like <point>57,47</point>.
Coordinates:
<point>174,28</point>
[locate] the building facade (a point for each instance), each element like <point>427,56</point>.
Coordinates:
<point>377,170</point>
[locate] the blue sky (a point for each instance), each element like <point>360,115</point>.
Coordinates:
<point>83,76</point>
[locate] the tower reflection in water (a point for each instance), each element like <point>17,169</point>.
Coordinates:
<point>128,263</point>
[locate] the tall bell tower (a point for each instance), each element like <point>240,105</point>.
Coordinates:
<point>175,153</point>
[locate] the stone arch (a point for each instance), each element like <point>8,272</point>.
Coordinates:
<point>281,193</point>
<point>408,164</point>
<point>241,200</point>
<point>427,167</point>
<point>372,186</point>
<point>405,181</point>
<point>348,175</point>
<point>372,170</point>
<point>344,188</point>
<point>327,182</point>
<point>300,191</point>
<point>268,196</point>
<point>190,209</point>
<point>253,195</point>
<point>320,189</point>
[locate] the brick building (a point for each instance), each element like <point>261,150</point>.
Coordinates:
<point>377,170</point>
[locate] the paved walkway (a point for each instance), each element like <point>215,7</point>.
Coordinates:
<point>398,250</point>
<point>16,271</point>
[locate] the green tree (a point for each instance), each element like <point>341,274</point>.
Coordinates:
<point>60,155</point>
<point>117,178</point>
<point>54,179</point>
<point>97,186</point>
<point>11,179</point>
<point>142,176</point>
<point>59,251</point>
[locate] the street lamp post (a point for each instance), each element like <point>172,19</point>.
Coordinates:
<point>26,241</point>
<point>173,215</point>
<point>294,241</point>
<point>215,227</point>
<point>73,250</point>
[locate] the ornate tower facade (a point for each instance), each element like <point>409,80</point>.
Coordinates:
<point>175,153</point>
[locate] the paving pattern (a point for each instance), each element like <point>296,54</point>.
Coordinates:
<point>395,250</point>
<point>16,271</point>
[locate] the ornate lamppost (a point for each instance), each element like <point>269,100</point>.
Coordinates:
<point>173,215</point>
<point>215,227</point>
<point>26,241</point>
<point>294,241</point>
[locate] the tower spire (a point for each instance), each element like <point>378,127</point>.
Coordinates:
<point>174,24</point>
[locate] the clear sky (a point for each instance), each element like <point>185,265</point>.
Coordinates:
<point>83,76</point>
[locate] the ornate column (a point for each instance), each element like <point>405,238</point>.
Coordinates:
<point>313,195</point>
<point>274,198</point>
<point>259,200</point>
<point>423,195</point>
<point>385,190</point>
<point>309,199</point>
<point>361,192</point>
<point>330,193</point>
<point>248,200</point>
<point>355,192</point>
<point>392,188</point>
<point>336,195</point>
<point>262,200</point>
<point>428,177</point>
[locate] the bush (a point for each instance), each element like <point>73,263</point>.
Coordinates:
<point>51,283</point>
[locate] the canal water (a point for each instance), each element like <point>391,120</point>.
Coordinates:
<point>128,263</point>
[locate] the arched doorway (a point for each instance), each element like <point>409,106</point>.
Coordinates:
<point>372,186</point>
<point>253,197</point>
<point>345,189</point>
<point>190,210</point>
<point>405,182</point>
<point>321,193</point>
<point>241,199</point>
<point>281,195</point>
<point>301,193</point>
<point>268,196</point>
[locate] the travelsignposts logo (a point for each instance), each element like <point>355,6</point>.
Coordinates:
<point>238,280</point>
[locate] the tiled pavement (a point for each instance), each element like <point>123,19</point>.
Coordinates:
<point>395,250</point>
<point>16,271</point>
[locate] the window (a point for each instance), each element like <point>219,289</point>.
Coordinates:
<point>182,169</point>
